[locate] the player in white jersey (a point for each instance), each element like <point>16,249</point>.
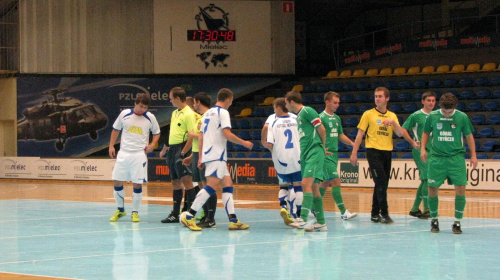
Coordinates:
<point>215,131</point>
<point>131,161</point>
<point>283,141</point>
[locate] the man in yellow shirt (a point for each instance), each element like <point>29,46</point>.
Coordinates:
<point>179,147</point>
<point>379,125</point>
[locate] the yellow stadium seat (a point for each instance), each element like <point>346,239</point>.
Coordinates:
<point>298,88</point>
<point>372,72</point>
<point>244,112</point>
<point>358,73</point>
<point>442,69</point>
<point>332,75</point>
<point>345,74</point>
<point>428,70</point>
<point>490,66</point>
<point>268,101</point>
<point>457,68</point>
<point>413,70</point>
<point>385,72</point>
<point>399,71</point>
<point>473,67</point>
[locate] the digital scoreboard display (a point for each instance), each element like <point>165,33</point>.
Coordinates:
<point>211,35</point>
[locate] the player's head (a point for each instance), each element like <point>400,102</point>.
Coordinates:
<point>226,96</point>
<point>190,102</point>
<point>332,101</point>
<point>293,99</point>
<point>279,106</point>
<point>381,97</point>
<point>429,100</point>
<point>202,98</point>
<point>142,102</point>
<point>448,101</point>
<point>177,96</point>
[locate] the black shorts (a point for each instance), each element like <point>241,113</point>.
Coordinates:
<point>198,174</point>
<point>174,162</point>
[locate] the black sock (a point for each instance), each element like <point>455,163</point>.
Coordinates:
<point>189,198</point>
<point>212,206</point>
<point>177,197</point>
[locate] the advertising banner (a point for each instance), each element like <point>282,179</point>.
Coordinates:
<point>404,173</point>
<point>73,117</point>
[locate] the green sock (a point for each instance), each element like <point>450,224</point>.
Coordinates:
<point>425,195</point>
<point>337,196</point>
<point>318,206</point>
<point>322,191</point>
<point>418,197</point>
<point>433,206</point>
<point>307,204</point>
<point>459,206</point>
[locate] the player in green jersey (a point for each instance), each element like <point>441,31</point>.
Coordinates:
<point>334,133</point>
<point>312,156</point>
<point>415,124</point>
<point>444,130</point>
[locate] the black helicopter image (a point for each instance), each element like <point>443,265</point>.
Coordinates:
<point>60,118</point>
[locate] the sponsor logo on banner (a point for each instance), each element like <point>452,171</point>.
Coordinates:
<point>349,174</point>
<point>47,169</point>
<point>12,168</point>
<point>239,170</point>
<point>83,169</point>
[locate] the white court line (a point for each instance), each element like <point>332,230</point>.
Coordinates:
<point>227,245</point>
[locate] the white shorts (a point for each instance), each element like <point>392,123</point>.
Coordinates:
<point>216,169</point>
<point>131,167</point>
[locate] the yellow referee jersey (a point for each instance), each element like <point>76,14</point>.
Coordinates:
<point>181,122</point>
<point>197,127</point>
<point>378,136</point>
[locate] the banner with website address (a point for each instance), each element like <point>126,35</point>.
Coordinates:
<point>404,173</point>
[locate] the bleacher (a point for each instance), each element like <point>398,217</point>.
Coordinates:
<point>476,86</point>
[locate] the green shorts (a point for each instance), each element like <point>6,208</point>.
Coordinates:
<point>330,166</point>
<point>311,163</point>
<point>451,168</point>
<point>422,166</point>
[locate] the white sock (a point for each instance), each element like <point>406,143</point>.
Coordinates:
<point>202,197</point>
<point>136,199</point>
<point>119,194</point>
<point>227,199</point>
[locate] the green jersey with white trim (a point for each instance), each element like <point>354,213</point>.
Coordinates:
<point>333,127</point>
<point>446,133</point>
<point>308,120</point>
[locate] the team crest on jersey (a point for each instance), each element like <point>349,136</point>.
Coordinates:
<point>330,124</point>
<point>379,122</point>
<point>439,126</point>
<point>453,126</point>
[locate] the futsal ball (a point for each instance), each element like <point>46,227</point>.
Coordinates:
<point>182,216</point>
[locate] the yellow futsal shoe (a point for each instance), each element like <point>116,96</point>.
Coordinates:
<point>238,225</point>
<point>190,223</point>
<point>286,216</point>
<point>118,214</point>
<point>135,217</point>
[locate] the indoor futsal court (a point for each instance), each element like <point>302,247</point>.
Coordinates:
<point>60,230</point>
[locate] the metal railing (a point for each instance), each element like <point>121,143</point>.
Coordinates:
<point>412,31</point>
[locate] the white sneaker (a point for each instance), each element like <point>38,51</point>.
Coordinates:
<point>298,223</point>
<point>348,215</point>
<point>317,227</point>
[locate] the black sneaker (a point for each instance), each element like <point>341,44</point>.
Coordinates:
<point>386,219</point>
<point>206,223</point>
<point>375,218</point>
<point>425,215</point>
<point>435,226</point>
<point>171,219</point>
<point>456,228</point>
<point>416,213</point>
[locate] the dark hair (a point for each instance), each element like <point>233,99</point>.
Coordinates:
<point>294,96</point>
<point>384,89</point>
<point>224,94</point>
<point>428,94</point>
<point>204,98</point>
<point>331,94</point>
<point>280,102</point>
<point>448,101</point>
<point>178,92</point>
<point>143,98</point>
